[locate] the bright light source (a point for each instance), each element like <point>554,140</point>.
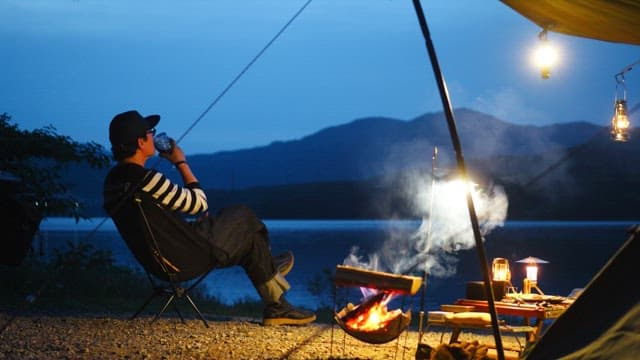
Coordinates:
<point>620,125</point>
<point>545,56</point>
<point>532,272</point>
<point>530,282</point>
<point>454,192</point>
<point>500,270</point>
<point>620,122</point>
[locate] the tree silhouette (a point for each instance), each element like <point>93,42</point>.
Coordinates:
<point>33,162</point>
<point>31,186</point>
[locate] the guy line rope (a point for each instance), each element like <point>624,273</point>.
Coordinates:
<point>32,297</point>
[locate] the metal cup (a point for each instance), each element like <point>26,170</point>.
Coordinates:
<point>162,142</point>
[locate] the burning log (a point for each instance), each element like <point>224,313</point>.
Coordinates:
<point>371,321</point>
<point>354,312</point>
<point>352,276</point>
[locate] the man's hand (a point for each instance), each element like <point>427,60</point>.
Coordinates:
<point>176,153</point>
<point>177,157</point>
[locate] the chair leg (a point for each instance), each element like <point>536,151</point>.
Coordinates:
<point>177,310</point>
<point>164,308</point>
<point>144,305</point>
<point>193,305</point>
<point>173,291</point>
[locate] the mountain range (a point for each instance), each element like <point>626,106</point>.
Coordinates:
<point>559,171</point>
<point>371,147</point>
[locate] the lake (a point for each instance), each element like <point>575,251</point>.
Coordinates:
<point>575,250</point>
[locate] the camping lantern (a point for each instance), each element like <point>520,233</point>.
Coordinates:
<point>532,272</point>
<point>530,282</point>
<point>620,125</point>
<point>546,55</point>
<point>500,270</point>
<point>620,122</point>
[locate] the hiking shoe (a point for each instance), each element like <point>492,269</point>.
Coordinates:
<point>283,262</point>
<point>284,313</point>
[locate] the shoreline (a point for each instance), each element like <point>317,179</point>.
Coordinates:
<point>55,223</point>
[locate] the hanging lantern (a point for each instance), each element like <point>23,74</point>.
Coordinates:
<point>546,56</point>
<point>620,122</point>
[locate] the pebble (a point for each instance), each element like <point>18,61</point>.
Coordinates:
<point>116,337</point>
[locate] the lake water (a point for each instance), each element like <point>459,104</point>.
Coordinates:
<point>575,250</point>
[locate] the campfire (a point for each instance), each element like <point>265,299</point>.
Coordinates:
<point>371,321</point>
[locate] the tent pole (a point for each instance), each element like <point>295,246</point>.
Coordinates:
<point>448,110</point>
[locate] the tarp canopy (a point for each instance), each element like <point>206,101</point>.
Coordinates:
<point>608,20</point>
<point>608,311</point>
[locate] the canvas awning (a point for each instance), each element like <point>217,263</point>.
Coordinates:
<point>607,20</point>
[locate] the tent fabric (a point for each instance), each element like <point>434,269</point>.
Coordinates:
<point>620,342</point>
<point>607,20</point>
<point>604,320</point>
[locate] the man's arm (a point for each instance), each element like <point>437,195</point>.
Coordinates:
<point>191,198</point>
<point>179,160</point>
<point>185,171</point>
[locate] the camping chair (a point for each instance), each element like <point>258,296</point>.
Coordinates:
<point>174,256</point>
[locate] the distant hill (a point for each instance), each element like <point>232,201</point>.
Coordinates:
<point>562,171</point>
<point>373,147</point>
<point>594,181</point>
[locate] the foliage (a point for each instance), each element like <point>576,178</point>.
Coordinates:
<point>81,278</point>
<point>38,158</point>
<point>321,286</point>
<point>82,256</point>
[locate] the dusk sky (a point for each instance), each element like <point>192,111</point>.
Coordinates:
<point>76,63</point>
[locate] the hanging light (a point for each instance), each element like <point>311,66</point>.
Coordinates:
<point>620,125</point>
<point>620,122</point>
<point>545,56</point>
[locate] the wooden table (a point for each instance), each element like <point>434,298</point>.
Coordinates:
<point>526,311</point>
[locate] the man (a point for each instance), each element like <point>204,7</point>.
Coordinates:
<point>235,235</point>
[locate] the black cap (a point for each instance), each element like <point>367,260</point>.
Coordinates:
<point>128,126</point>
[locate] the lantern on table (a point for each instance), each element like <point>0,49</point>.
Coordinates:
<point>501,277</point>
<point>530,282</point>
<point>500,270</point>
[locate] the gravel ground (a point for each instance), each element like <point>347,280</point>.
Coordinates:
<point>113,337</point>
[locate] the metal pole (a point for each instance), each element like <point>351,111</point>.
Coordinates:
<point>448,110</point>
<point>427,244</point>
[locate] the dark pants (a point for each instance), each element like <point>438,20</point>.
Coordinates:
<point>243,238</point>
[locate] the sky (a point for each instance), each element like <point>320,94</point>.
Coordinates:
<point>74,64</point>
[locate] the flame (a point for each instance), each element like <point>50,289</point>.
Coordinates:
<point>375,317</point>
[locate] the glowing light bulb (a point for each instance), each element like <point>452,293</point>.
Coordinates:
<point>532,272</point>
<point>546,57</point>
<point>620,122</point>
<point>500,267</point>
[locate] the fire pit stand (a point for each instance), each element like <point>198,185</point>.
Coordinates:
<point>370,321</point>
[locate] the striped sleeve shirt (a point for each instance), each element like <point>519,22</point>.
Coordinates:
<point>190,199</point>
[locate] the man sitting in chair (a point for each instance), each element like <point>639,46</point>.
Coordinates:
<point>236,236</point>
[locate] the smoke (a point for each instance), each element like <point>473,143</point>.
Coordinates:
<point>444,230</point>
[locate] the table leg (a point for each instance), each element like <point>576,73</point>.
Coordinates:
<point>455,334</point>
<point>533,336</point>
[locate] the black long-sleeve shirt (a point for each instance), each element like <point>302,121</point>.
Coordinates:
<point>189,199</point>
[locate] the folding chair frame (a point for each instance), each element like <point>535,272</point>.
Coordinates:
<point>173,288</point>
